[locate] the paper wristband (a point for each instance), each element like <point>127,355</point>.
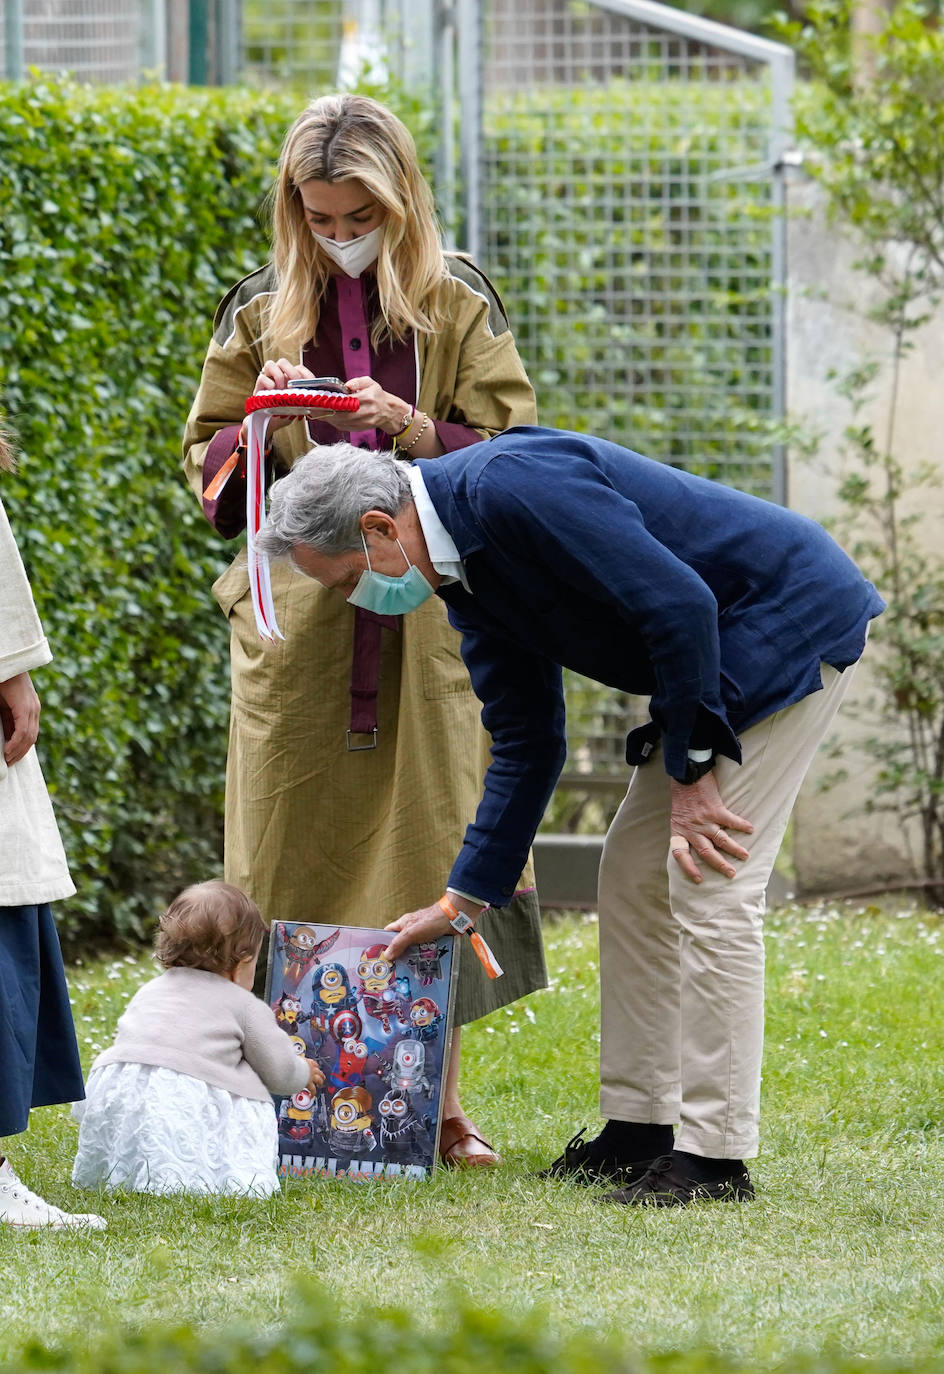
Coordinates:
<point>462,923</point>
<point>260,408</point>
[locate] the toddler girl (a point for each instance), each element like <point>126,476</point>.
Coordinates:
<point>181,1101</point>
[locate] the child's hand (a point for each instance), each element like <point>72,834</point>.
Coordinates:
<point>315,1076</point>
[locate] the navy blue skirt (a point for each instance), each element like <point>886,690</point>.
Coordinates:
<point>39,1056</point>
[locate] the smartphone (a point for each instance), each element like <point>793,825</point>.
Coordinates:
<point>330,384</point>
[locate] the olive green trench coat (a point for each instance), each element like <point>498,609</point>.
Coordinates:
<point>315,832</point>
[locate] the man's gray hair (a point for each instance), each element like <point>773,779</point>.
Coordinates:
<point>320,502</point>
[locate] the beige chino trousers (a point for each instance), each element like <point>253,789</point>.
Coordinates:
<point>682,964</point>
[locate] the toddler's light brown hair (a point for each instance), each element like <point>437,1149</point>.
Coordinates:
<point>212,926</point>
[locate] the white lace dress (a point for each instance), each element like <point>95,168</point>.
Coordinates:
<point>153,1130</point>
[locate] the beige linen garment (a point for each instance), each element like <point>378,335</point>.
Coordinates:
<point>33,865</point>
<point>313,832</point>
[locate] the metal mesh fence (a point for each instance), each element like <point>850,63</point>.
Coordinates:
<point>624,194</point>
<point>95,40</point>
<point>320,45</point>
<point>287,43</point>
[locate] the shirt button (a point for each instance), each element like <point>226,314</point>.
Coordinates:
<point>354,345</point>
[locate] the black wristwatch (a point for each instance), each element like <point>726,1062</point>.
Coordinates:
<point>696,768</point>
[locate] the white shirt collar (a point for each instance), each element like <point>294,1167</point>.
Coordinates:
<point>443,553</point>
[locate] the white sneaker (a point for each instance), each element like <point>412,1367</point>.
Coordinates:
<point>20,1207</point>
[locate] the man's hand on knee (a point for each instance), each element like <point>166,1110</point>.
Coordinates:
<point>699,828</point>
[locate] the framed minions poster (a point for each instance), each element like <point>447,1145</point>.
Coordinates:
<point>381,1033</point>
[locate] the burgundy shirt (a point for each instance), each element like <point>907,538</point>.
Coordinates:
<point>343,350</point>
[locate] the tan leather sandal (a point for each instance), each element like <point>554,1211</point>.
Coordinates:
<point>453,1150</point>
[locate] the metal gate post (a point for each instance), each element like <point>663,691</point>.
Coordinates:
<point>783,72</point>
<point>228,14</point>
<point>445,96</point>
<point>469,35</point>
<point>154,37</point>
<point>13,39</point>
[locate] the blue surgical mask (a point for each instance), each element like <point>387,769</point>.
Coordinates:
<point>390,595</point>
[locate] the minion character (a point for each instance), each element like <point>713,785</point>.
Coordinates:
<point>349,1130</point>
<point>289,1014</point>
<point>401,1130</point>
<point>297,1117</point>
<point>350,1066</point>
<point>345,1025</point>
<point>426,963</point>
<point>331,992</point>
<point>301,950</point>
<point>409,1068</point>
<point>378,987</point>
<point>425,1019</point>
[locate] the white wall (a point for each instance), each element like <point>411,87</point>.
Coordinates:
<point>837,845</point>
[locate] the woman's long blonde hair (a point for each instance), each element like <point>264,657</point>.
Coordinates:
<point>354,138</point>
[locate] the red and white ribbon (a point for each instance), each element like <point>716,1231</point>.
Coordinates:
<point>260,408</point>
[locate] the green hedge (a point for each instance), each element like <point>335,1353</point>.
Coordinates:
<point>124,215</point>
<point>325,1335</point>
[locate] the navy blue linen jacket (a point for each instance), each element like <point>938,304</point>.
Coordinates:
<point>717,605</point>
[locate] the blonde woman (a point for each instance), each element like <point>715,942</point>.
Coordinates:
<point>336,732</point>
<point>39,1056</point>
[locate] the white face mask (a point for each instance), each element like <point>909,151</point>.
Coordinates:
<point>354,256</point>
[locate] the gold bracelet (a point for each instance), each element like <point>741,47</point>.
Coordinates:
<point>417,436</point>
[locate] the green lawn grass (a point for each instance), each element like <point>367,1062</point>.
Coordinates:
<point>842,1251</point>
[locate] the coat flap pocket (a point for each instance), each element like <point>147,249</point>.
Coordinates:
<point>232,585</point>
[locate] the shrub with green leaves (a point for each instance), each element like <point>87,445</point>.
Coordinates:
<point>124,215</point>
<point>324,1334</point>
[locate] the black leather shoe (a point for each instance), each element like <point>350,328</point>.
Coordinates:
<point>579,1163</point>
<point>665,1185</point>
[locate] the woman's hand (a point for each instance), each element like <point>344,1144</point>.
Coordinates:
<point>278,376</point>
<point>19,716</point>
<point>377,409</point>
<point>315,1075</point>
<point>699,826</point>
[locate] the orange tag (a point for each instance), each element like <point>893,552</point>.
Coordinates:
<point>221,478</point>
<point>486,958</point>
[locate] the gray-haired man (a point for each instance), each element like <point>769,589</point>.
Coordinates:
<point>735,617</point>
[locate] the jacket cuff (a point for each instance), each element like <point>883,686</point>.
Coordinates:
<point>675,750</point>
<point>227,513</point>
<point>25,660</point>
<point>643,742</point>
<point>489,879</point>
